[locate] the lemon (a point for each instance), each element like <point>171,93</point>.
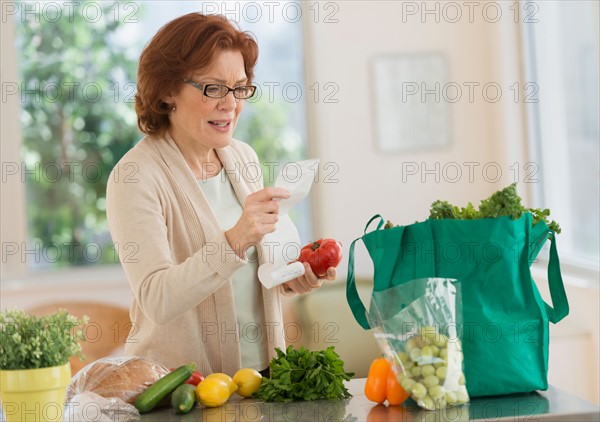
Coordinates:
<point>248,381</point>
<point>212,392</point>
<point>225,378</point>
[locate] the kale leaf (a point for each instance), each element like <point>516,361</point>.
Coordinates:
<point>505,202</point>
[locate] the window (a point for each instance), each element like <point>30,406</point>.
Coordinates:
<point>76,123</point>
<point>562,57</point>
<point>76,81</point>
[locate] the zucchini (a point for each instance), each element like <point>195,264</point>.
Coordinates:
<point>183,398</point>
<point>163,387</point>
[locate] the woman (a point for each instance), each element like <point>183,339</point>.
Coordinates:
<point>187,224</point>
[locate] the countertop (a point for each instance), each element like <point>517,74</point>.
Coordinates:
<point>551,405</point>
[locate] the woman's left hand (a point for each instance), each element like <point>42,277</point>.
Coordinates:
<point>309,281</point>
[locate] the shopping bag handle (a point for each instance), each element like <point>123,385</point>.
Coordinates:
<point>356,306</point>
<point>560,304</point>
<point>385,272</point>
<point>379,225</point>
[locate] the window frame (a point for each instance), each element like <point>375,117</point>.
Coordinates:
<point>13,222</point>
<point>14,273</point>
<point>582,269</point>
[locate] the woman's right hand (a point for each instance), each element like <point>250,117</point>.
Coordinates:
<point>259,217</point>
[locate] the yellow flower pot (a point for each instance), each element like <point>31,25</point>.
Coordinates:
<point>34,394</point>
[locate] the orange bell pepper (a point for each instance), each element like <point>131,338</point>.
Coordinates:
<point>382,384</point>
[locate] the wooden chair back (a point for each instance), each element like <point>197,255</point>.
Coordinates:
<point>106,330</point>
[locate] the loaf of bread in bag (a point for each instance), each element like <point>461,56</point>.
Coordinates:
<point>121,377</point>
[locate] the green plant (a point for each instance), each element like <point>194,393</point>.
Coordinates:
<point>31,342</point>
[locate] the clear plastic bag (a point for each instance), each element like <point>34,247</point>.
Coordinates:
<point>416,326</point>
<point>108,387</point>
<point>90,407</point>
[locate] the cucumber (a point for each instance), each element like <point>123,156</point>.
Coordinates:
<point>183,398</point>
<point>163,387</point>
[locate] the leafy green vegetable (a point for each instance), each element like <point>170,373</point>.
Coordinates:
<point>389,225</point>
<point>300,374</point>
<point>505,202</point>
<point>443,209</point>
<point>501,203</point>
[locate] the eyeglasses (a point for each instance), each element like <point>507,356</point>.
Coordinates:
<point>219,91</point>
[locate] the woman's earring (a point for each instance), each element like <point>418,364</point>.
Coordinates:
<point>173,108</point>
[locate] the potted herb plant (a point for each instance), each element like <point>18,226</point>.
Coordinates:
<point>34,363</point>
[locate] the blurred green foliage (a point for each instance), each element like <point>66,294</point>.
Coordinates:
<point>265,125</point>
<point>78,120</point>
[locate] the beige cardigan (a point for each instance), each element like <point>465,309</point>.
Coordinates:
<point>177,259</point>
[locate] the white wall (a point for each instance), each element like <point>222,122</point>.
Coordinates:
<point>370,182</point>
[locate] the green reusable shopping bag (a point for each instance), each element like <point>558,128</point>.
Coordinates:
<point>505,320</point>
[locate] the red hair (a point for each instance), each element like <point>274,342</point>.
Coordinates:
<point>184,45</point>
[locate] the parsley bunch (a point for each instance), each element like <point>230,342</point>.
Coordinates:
<point>505,202</point>
<point>300,374</point>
